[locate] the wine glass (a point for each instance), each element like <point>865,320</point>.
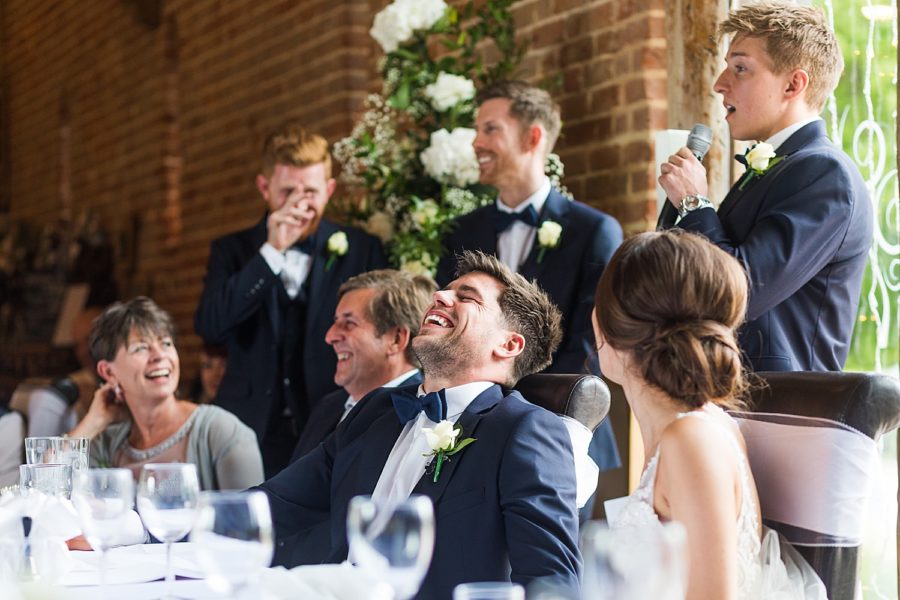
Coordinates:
<point>392,542</point>
<point>167,501</point>
<point>233,538</point>
<point>641,561</point>
<point>102,497</point>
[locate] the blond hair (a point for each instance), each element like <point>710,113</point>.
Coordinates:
<point>293,146</point>
<point>796,37</point>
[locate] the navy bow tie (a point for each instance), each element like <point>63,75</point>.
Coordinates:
<point>408,406</point>
<point>502,220</point>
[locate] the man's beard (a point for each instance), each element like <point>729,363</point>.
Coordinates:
<point>442,356</point>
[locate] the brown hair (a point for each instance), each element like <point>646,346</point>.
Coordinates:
<point>401,301</point>
<point>796,37</point>
<point>111,329</point>
<point>672,300</point>
<point>526,308</point>
<point>292,145</point>
<point>528,104</point>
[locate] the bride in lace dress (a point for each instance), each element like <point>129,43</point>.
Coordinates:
<point>665,316</point>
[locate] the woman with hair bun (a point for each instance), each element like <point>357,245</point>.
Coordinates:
<point>665,315</point>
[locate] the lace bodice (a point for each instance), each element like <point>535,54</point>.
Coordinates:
<point>638,511</point>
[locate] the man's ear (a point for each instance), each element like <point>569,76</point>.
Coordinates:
<point>534,136</point>
<point>262,184</point>
<point>330,186</point>
<point>399,340</point>
<point>105,371</point>
<point>797,83</point>
<point>512,347</point>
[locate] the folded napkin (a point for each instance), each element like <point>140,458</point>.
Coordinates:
<point>324,582</point>
<point>52,517</point>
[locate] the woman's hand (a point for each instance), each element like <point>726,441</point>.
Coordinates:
<point>107,406</point>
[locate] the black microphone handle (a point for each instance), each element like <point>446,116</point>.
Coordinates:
<point>667,216</point>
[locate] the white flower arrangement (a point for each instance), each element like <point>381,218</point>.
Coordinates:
<point>449,90</point>
<point>450,158</point>
<point>397,22</point>
<point>381,226</point>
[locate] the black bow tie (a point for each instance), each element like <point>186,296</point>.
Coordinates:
<point>408,406</point>
<point>742,158</point>
<point>502,220</point>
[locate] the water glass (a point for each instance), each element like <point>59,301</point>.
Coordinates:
<point>489,590</point>
<point>233,538</point>
<point>630,563</point>
<point>167,502</point>
<point>50,479</point>
<point>102,498</point>
<point>393,543</point>
<point>73,451</point>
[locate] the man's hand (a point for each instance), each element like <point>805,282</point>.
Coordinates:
<point>108,406</point>
<point>682,176</point>
<point>290,222</point>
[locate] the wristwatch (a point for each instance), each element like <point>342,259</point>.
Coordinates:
<point>693,202</point>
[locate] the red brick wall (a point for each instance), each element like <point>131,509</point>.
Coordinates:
<point>165,123</point>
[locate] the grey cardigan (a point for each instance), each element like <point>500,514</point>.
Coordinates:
<point>224,449</point>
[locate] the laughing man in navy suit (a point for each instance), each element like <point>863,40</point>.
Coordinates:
<point>504,505</point>
<point>377,316</point>
<point>517,128</point>
<point>802,223</point>
<point>270,293</point>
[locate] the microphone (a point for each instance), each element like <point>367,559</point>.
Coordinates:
<point>698,142</point>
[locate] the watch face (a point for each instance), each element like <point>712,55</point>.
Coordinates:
<point>691,202</point>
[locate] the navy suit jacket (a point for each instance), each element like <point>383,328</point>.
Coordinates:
<point>802,231</point>
<point>568,273</point>
<point>239,308</point>
<point>504,506</point>
<point>327,414</point>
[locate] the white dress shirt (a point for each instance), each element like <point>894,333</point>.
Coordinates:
<point>515,242</point>
<point>351,401</point>
<point>292,266</point>
<point>781,137</point>
<point>406,463</point>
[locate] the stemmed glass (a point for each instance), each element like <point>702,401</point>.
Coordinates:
<point>167,502</point>
<point>102,497</point>
<point>393,543</point>
<point>641,561</point>
<point>233,538</point>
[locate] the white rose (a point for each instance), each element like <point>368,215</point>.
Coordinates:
<point>391,27</point>
<point>418,267</point>
<point>338,243</point>
<point>759,156</point>
<point>442,436</point>
<point>426,212</point>
<point>450,157</point>
<point>548,234</point>
<point>422,14</point>
<point>449,90</point>
<point>381,226</point>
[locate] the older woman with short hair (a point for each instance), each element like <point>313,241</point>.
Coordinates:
<point>135,417</point>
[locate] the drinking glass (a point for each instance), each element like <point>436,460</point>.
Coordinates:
<point>48,478</point>
<point>102,497</point>
<point>629,563</point>
<point>167,502</point>
<point>393,543</point>
<point>489,590</point>
<point>233,538</point>
<point>41,450</point>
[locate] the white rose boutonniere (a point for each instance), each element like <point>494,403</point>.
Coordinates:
<point>338,244</point>
<point>449,90</point>
<point>758,159</point>
<point>442,439</point>
<point>548,235</point>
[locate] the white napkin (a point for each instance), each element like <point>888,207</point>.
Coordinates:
<point>324,582</point>
<point>53,517</point>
